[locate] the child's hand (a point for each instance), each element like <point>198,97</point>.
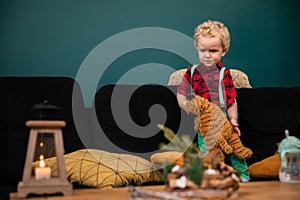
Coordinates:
<point>235,126</point>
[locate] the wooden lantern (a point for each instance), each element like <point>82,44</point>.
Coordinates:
<point>42,182</point>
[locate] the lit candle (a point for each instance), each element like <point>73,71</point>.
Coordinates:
<point>42,172</point>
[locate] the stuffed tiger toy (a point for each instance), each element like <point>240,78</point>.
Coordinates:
<point>216,130</point>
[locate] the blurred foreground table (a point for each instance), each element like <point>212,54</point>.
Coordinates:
<point>266,190</point>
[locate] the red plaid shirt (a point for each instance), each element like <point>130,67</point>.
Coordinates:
<point>205,83</point>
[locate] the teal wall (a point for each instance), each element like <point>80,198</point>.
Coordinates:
<point>54,37</point>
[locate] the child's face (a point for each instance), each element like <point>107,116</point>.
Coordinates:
<point>210,50</point>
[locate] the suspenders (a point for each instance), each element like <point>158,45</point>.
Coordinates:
<point>220,88</point>
<point>221,94</point>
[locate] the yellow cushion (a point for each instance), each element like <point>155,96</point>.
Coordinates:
<point>101,169</point>
<point>267,168</point>
<point>168,157</point>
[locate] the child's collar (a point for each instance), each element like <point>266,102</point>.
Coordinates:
<point>220,64</point>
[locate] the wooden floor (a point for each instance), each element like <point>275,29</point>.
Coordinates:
<point>261,190</point>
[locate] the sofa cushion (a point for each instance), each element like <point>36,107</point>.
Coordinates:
<point>264,115</point>
<point>129,114</point>
<point>102,169</point>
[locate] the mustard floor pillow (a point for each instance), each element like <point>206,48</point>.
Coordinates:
<point>101,169</point>
<point>168,157</point>
<point>267,168</point>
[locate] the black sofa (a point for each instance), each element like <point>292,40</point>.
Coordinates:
<point>264,114</point>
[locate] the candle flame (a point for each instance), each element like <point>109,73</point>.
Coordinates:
<point>42,162</point>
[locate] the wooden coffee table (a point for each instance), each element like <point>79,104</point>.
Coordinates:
<point>260,190</point>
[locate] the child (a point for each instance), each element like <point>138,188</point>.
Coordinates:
<point>211,80</point>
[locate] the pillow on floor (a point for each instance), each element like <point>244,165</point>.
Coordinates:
<point>168,157</point>
<point>101,169</point>
<point>267,168</point>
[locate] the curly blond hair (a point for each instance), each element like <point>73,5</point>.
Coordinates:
<point>213,29</point>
